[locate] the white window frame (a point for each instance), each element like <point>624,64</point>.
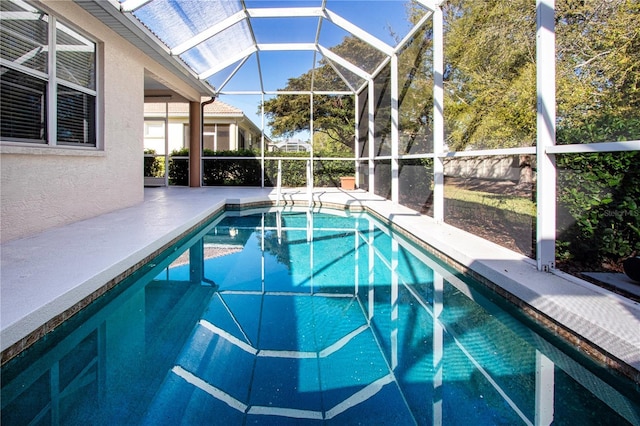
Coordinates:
<point>53,83</point>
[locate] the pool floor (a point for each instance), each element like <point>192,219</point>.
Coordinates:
<point>296,318</point>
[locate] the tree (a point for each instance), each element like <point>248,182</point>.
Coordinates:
<point>325,146</point>
<point>415,97</point>
<point>333,115</point>
<point>490,99</point>
<point>598,65</point>
<point>598,97</point>
<point>490,71</point>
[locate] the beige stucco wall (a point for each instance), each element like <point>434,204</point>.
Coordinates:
<point>497,167</point>
<point>46,187</point>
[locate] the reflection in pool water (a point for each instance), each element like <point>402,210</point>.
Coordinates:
<point>290,318</point>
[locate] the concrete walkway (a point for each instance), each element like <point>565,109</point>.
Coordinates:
<point>44,276</point>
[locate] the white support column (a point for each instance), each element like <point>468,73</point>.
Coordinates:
<point>311,136</point>
<point>215,137</point>
<point>236,134</point>
<point>310,183</point>
<point>545,390</point>
<point>262,147</point>
<point>546,134</point>
<point>372,139</point>
<point>438,114</point>
<point>279,183</point>
<point>356,142</point>
<point>166,144</point>
<point>395,134</point>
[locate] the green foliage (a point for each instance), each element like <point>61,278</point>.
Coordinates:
<point>294,172</point>
<point>333,115</point>
<point>178,167</point>
<point>153,166</point>
<point>598,67</point>
<point>231,172</point>
<point>325,146</point>
<point>182,152</point>
<point>490,98</point>
<point>490,102</point>
<point>415,98</point>
<point>327,173</point>
<point>490,95</point>
<point>246,171</point>
<point>599,209</point>
<point>602,128</point>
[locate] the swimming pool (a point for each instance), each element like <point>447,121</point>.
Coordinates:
<point>288,317</point>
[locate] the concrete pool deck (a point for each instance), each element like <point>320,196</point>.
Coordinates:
<point>47,277</point>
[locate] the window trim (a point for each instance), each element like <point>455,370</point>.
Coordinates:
<point>53,83</point>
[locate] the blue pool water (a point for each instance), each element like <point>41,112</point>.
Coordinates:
<point>297,318</point>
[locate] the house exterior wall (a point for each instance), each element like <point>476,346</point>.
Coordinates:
<point>44,187</point>
<point>220,132</point>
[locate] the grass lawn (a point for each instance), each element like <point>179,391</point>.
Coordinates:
<point>515,204</point>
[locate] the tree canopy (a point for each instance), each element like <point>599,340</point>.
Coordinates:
<point>490,74</point>
<point>490,78</point>
<point>333,115</point>
<point>491,102</point>
<point>598,73</point>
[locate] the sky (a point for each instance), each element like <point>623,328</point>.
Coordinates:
<point>378,18</point>
<point>176,22</point>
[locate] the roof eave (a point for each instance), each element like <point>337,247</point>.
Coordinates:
<point>130,29</point>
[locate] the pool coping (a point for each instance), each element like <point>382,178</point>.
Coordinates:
<point>110,247</point>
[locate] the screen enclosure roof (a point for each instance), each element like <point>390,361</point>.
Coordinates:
<point>256,46</point>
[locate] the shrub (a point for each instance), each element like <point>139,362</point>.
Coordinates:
<point>231,172</point>
<point>153,166</point>
<point>294,172</point>
<point>327,173</point>
<point>598,194</point>
<point>598,207</point>
<point>179,168</point>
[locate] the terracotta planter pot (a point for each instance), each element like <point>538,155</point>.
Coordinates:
<point>348,183</point>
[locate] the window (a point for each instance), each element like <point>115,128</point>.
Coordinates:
<point>223,138</point>
<point>154,129</point>
<point>48,79</point>
<point>209,137</point>
<point>242,143</point>
<point>154,134</point>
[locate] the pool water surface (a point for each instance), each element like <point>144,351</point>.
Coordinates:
<point>292,317</point>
